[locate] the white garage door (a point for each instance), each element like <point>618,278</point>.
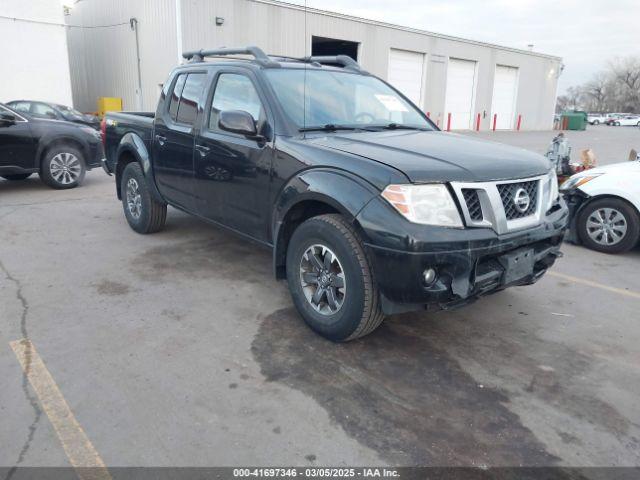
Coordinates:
<point>460,97</point>
<point>505,89</point>
<point>405,73</point>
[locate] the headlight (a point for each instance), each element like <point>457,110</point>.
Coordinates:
<point>91,131</point>
<point>425,204</point>
<point>576,181</point>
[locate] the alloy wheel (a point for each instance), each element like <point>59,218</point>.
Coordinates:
<point>322,279</point>
<point>606,226</point>
<point>65,168</point>
<point>134,199</point>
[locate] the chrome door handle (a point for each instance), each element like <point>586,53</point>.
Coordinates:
<point>203,150</point>
<point>160,139</point>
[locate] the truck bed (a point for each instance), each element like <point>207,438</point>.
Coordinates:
<point>118,124</point>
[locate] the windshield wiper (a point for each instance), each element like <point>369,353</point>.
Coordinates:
<point>397,126</point>
<point>330,127</point>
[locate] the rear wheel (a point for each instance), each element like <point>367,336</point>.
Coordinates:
<point>331,279</point>
<point>609,225</point>
<point>143,213</point>
<point>596,122</point>
<point>63,167</point>
<point>17,176</point>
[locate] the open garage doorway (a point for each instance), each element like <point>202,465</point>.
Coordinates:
<point>333,46</point>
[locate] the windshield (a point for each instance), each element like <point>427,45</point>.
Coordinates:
<point>341,99</point>
<point>70,113</point>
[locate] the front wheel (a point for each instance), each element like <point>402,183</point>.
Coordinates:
<point>143,213</point>
<point>609,225</point>
<point>596,122</point>
<point>331,279</point>
<point>17,177</point>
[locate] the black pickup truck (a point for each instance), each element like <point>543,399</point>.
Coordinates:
<point>369,209</point>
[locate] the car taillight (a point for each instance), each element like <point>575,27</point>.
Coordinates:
<point>103,131</point>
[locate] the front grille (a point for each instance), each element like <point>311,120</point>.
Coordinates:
<point>473,203</point>
<point>508,193</point>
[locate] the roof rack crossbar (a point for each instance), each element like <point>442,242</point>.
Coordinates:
<point>343,60</point>
<point>257,53</point>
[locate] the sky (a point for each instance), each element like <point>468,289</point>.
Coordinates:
<point>587,34</point>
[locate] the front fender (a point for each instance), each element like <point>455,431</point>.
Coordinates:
<point>132,144</point>
<point>341,190</point>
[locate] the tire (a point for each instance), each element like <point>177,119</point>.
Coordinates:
<point>360,311</point>
<point>143,213</point>
<point>17,177</point>
<point>596,122</point>
<point>63,167</point>
<point>617,124</point>
<point>589,221</point>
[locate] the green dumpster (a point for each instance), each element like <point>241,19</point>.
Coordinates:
<point>574,120</point>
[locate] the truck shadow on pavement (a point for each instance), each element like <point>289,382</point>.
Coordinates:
<point>401,392</point>
<point>398,393</point>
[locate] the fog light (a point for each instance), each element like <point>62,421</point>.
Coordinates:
<point>429,276</point>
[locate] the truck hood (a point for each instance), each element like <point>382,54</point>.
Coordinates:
<point>433,156</point>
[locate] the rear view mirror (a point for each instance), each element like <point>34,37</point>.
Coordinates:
<point>238,121</point>
<point>7,119</point>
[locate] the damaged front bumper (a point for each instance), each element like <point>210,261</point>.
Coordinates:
<point>575,200</point>
<point>469,263</point>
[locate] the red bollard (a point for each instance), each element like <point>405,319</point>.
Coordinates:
<point>449,122</point>
<point>495,119</point>
<point>519,122</point>
<point>478,123</point>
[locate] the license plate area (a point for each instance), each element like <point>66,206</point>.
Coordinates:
<point>517,264</point>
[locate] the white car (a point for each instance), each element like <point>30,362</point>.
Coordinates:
<point>628,120</point>
<point>596,118</point>
<point>604,204</point>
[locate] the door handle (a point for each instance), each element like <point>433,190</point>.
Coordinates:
<point>160,139</point>
<point>203,150</point>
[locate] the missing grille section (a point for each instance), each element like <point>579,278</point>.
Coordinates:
<point>473,203</point>
<point>516,196</point>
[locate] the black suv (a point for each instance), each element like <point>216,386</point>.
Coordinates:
<point>60,152</point>
<point>54,111</point>
<point>369,209</point>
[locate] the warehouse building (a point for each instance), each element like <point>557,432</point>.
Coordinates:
<point>33,49</point>
<point>461,83</point>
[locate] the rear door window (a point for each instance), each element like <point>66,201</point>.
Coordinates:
<point>21,106</point>
<point>42,110</point>
<point>183,105</point>
<point>191,93</point>
<point>175,96</point>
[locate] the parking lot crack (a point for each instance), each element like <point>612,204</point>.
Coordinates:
<point>31,399</point>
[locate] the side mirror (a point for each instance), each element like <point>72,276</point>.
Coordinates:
<point>51,115</point>
<point>7,119</point>
<point>238,121</point>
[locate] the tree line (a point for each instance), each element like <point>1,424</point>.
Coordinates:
<point>614,89</point>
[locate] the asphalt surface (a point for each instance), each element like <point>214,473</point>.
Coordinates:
<point>179,349</point>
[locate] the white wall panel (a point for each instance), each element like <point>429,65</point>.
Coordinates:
<point>35,62</point>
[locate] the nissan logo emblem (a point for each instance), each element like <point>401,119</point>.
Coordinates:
<point>521,200</point>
